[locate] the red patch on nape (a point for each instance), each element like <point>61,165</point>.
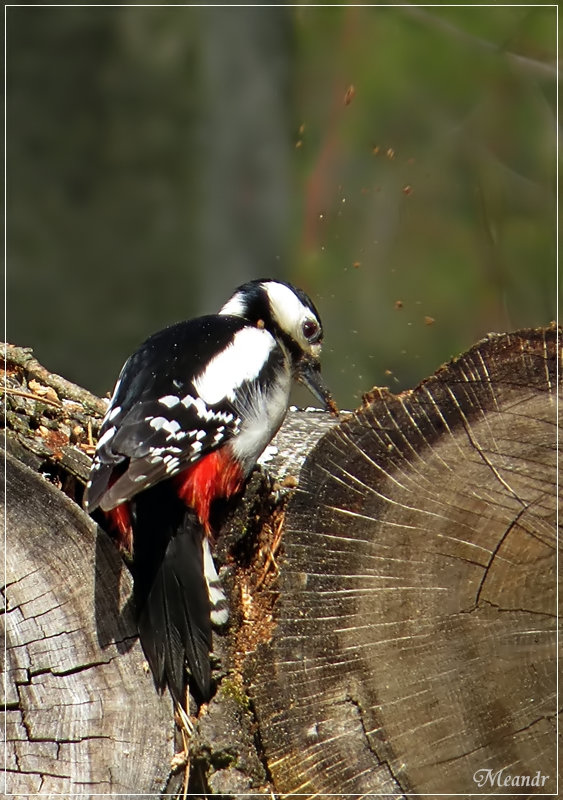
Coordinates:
<point>217,475</point>
<point>119,519</point>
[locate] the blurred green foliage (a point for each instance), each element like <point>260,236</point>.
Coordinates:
<point>399,163</point>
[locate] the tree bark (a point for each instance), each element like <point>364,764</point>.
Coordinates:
<point>415,639</point>
<point>392,578</point>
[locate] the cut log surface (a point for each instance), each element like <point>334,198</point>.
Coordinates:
<point>82,716</point>
<point>414,644</point>
<point>393,627</point>
<point>81,713</point>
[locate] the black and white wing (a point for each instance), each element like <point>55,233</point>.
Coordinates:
<point>174,402</point>
<point>156,424</point>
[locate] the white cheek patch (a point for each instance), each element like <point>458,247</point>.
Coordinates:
<point>241,361</point>
<point>287,309</point>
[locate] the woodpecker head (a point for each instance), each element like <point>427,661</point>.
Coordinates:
<point>292,319</point>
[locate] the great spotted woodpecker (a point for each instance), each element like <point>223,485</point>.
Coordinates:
<point>192,410</point>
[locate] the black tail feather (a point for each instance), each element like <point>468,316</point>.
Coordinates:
<point>171,596</point>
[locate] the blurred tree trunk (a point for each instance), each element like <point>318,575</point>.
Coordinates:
<point>244,169</point>
<point>159,135</point>
<point>394,621</point>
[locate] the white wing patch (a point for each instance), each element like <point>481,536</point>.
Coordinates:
<point>219,608</point>
<point>106,437</point>
<point>170,400</point>
<point>241,361</point>
<point>171,426</point>
<point>113,413</point>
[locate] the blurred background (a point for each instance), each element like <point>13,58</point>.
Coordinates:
<point>397,163</point>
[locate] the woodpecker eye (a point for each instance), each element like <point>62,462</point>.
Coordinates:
<point>311,330</point>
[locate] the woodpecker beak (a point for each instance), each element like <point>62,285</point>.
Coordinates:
<point>309,374</point>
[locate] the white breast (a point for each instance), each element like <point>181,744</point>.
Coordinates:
<point>263,413</point>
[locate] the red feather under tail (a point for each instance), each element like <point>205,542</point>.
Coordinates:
<point>121,526</point>
<point>217,475</point>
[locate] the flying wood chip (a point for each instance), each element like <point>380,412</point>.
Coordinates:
<point>415,644</point>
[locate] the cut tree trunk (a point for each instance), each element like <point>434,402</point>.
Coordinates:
<point>393,592</point>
